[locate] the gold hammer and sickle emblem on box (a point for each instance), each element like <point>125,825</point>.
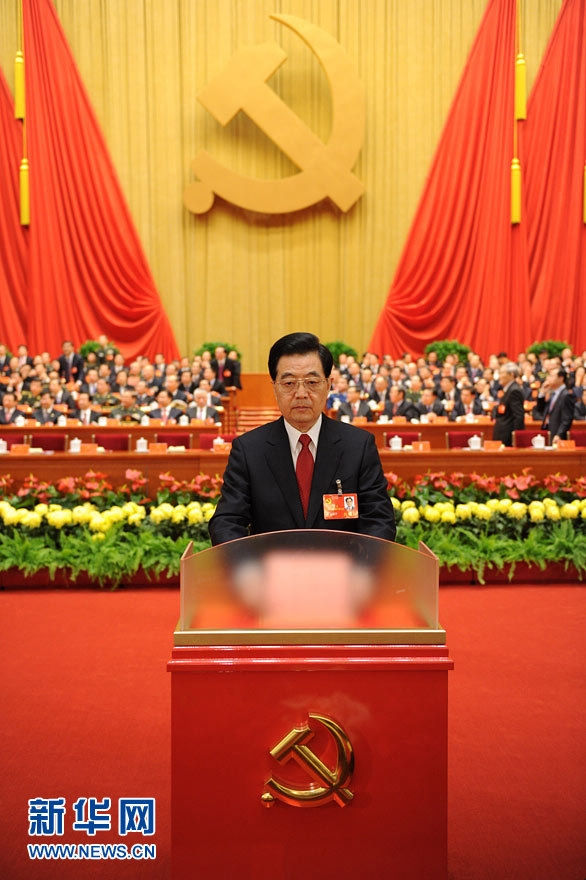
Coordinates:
<point>327,785</point>
<point>325,168</point>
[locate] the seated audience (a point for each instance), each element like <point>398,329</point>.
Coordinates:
<point>580,407</point>
<point>166,409</point>
<point>398,405</point>
<point>8,410</point>
<point>127,410</point>
<point>339,393</point>
<point>63,399</point>
<point>353,406</point>
<point>84,411</point>
<point>46,414</point>
<point>429,404</point>
<point>200,409</point>
<point>468,405</point>
<point>381,391</point>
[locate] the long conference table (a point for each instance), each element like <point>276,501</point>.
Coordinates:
<point>184,465</point>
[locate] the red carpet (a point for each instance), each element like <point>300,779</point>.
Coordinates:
<point>85,707</point>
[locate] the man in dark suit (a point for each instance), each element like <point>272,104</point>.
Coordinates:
<point>278,474</point>
<point>466,406</point>
<point>199,409</point>
<point>84,411</point>
<point>354,406</point>
<point>398,405</point>
<point>165,409</point>
<point>509,413</point>
<point>580,407</point>
<point>227,369</point>
<point>45,414</point>
<point>8,411</point>
<point>429,403</point>
<point>555,405</point>
<point>70,364</point>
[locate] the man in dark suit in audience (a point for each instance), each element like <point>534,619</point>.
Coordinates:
<point>166,409</point>
<point>580,407</point>
<point>45,414</point>
<point>277,475</point>
<point>555,406</point>
<point>70,364</point>
<point>429,403</point>
<point>200,409</point>
<point>8,411</point>
<point>227,370</point>
<point>398,405</point>
<point>467,405</point>
<point>84,411</point>
<point>509,413</point>
<point>61,396</point>
<point>354,406</point>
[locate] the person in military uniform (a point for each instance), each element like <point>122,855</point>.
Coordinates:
<point>31,396</point>
<point>104,397</point>
<point>127,410</point>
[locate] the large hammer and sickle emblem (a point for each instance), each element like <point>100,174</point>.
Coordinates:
<point>327,785</point>
<point>325,168</point>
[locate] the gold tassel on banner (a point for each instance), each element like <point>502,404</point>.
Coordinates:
<point>520,87</point>
<point>515,191</point>
<point>25,214</point>
<point>19,85</point>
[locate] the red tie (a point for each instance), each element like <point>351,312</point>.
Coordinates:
<point>304,471</point>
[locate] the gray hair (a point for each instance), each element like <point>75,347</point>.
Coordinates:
<point>512,369</point>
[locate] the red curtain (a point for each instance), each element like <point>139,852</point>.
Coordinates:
<point>463,272</point>
<point>555,146</point>
<point>13,237</point>
<point>87,274</point>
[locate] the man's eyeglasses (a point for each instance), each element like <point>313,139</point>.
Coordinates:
<point>289,386</point>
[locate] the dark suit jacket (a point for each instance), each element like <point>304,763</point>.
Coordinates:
<point>512,417</point>
<point>561,416</point>
<point>345,409</point>
<point>260,492</point>
<point>175,413</point>
<point>75,372</point>
<point>94,416</point>
<point>436,408</point>
<point>231,374</point>
<point>406,408</point>
<point>211,413</point>
<point>46,418</point>
<point>459,410</point>
<point>16,413</point>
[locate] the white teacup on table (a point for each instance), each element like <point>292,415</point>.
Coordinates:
<point>538,442</point>
<point>396,442</point>
<point>475,442</point>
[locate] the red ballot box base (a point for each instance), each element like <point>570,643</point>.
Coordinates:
<point>365,726</point>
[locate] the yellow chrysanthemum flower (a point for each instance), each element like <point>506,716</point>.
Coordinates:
<point>411,515</point>
<point>517,510</point>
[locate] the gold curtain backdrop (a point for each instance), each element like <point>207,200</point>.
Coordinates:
<point>245,277</point>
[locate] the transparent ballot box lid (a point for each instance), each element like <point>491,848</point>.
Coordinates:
<point>309,587</point>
